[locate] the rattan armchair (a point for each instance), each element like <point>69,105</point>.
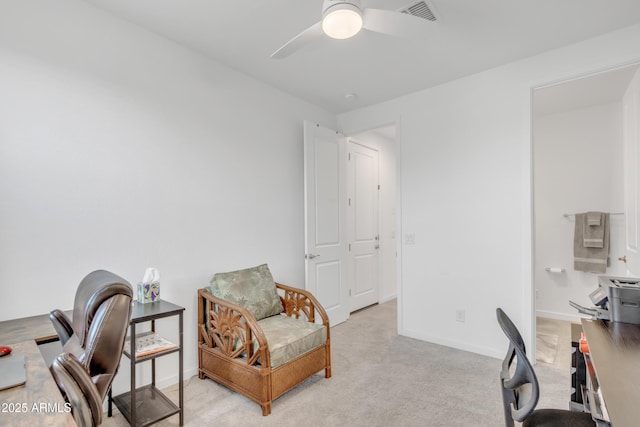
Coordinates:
<point>238,351</point>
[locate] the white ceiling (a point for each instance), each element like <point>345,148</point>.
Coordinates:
<point>601,88</point>
<point>469,36</point>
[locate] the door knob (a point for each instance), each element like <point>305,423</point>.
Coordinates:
<point>311,256</point>
<point>623,259</point>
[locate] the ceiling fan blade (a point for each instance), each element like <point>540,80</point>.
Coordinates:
<point>309,35</point>
<point>396,24</point>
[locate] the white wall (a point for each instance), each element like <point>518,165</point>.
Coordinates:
<point>387,283</point>
<point>578,159</point>
<point>121,150</point>
<point>465,161</point>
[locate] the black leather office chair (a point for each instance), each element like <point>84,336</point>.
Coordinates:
<point>92,343</point>
<point>520,389</point>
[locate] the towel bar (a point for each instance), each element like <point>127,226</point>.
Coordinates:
<point>612,213</point>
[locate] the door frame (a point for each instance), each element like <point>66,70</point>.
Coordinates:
<point>365,124</point>
<point>397,223</point>
<point>390,197</point>
<point>529,302</point>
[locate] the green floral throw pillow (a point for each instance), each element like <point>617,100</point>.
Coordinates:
<point>251,288</point>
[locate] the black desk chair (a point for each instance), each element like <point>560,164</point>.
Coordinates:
<point>520,390</point>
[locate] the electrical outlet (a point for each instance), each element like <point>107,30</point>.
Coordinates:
<point>460,314</point>
<point>410,239</point>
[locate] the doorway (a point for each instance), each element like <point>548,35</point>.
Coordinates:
<point>369,276</point>
<point>578,165</point>
<point>382,140</point>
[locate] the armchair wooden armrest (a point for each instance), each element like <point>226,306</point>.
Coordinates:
<point>296,301</point>
<point>231,330</point>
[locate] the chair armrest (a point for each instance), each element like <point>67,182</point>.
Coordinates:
<point>79,390</point>
<point>296,301</point>
<point>62,325</point>
<point>231,329</point>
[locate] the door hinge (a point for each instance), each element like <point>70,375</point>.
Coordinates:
<point>349,292</point>
<point>349,156</point>
<point>349,201</point>
<point>349,247</point>
<point>378,186</point>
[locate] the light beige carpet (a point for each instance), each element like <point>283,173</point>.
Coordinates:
<point>379,379</point>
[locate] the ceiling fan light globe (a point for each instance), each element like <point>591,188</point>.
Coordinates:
<point>342,22</point>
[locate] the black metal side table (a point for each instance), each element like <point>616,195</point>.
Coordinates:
<point>146,405</point>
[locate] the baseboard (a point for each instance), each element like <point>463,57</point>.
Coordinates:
<point>387,298</point>
<point>482,350</point>
<point>575,318</point>
<point>173,379</point>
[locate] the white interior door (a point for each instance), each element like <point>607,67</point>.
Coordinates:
<point>631,105</point>
<point>362,225</point>
<point>325,226</point>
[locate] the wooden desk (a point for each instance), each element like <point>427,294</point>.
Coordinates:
<point>39,401</point>
<point>615,352</point>
<point>38,328</point>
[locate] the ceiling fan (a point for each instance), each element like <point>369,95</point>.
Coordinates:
<point>342,19</point>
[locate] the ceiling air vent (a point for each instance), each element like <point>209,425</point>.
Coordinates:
<point>419,9</point>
